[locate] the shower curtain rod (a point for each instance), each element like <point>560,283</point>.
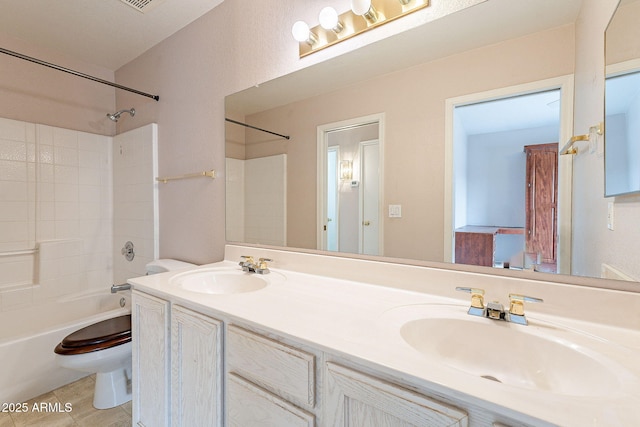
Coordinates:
<point>260,129</point>
<point>76,73</point>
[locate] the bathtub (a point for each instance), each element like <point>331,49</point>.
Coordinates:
<point>28,337</point>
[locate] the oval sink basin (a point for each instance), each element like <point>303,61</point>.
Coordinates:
<point>543,358</point>
<point>219,282</point>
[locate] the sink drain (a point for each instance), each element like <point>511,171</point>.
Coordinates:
<point>491,377</point>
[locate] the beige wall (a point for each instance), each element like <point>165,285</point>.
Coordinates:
<point>229,49</point>
<point>593,242</point>
<point>413,101</point>
<point>33,93</point>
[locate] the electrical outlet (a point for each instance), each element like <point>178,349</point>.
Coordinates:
<point>610,216</point>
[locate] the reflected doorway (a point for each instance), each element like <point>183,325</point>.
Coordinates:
<point>350,186</point>
<point>499,144</point>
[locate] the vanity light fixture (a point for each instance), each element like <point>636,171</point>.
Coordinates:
<point>346,170</point>
<point>363,15</point>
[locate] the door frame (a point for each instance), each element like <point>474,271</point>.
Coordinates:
<point>321,183</point>
<point>565,173</point>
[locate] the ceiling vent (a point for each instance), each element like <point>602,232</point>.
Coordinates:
<point>143,6</point>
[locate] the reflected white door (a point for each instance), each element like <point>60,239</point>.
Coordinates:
<point>331,225</point>
<point>369,193</point>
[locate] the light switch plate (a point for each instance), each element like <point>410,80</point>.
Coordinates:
<point>395,211</point>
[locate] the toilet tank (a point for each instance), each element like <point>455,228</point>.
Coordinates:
<point>164,265</point>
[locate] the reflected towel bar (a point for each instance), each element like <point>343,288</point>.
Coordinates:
<point>18,253</point>
<point>209,174</point>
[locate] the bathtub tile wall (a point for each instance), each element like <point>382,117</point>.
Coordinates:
<point>135,200</point>
<point>16,193</point>
<point>235,189</point>
<point>56,187</point>
<point>14,299</point>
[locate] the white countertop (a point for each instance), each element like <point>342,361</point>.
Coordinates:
<point>362,321</point>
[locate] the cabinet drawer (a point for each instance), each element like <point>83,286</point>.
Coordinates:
<point>283,370</point>
<point>250,406</point>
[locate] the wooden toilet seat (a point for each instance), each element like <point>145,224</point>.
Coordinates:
<point>99,336</point>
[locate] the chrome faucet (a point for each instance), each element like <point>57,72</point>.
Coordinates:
<point>117,288</point>
<point>495,310</point>
<point>249,265</point>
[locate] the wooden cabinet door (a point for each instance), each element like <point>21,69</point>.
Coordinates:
<point>359,400</point>
<point>475,248</point>
<point>542,201</point>
<point>196,369</point>
<point>150,337</point>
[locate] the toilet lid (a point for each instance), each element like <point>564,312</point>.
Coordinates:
<point>114,329</point>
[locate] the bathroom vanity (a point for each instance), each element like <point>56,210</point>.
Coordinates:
<point>309,345</point>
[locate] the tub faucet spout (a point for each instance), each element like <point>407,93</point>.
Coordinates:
<point>123,287</point>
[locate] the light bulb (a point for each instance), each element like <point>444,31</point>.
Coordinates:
<point>365,9</point>
<point>360,7</point>
<point>328,18</point>
<point>300,31</point>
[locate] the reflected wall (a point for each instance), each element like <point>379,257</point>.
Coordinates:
<point>413,101</point>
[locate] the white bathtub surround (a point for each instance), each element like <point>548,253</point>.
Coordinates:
<point>354,310</point>
<point>257,200</point>
<point>29,335</point>
<point>135,200</point>
<point>235,190</point>
<point>56,187</point>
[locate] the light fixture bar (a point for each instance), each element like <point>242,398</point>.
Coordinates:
<point>385,11</point>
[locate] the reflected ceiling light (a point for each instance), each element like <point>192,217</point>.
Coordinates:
<point>363,15</point>
<point>302,33</point>
<point>329,20</point>
<point>365,9</point>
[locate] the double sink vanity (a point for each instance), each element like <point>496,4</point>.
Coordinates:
<point>331,341</point>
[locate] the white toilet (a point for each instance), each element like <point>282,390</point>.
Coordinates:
<point>104,348</point>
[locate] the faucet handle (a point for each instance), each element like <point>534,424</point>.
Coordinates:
<point>477,296</point>
<point>516,307</point>
<point>247,259</point>
<point>477,300</point>
<point>263,268</point>
<point>516,303</point>
<point>263,262</point>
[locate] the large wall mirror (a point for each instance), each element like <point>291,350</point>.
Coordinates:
<point>448,113</point>
<point>622,107</point>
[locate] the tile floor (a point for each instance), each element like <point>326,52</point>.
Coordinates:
<point>79,396</point>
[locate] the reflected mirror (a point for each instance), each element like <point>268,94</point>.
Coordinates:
<point>622,106</point>
<point>411,85</point>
